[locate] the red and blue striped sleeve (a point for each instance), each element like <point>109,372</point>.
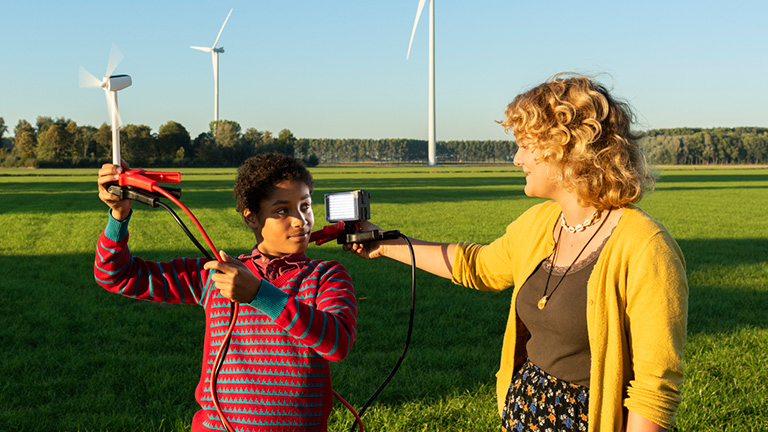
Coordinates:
<point>182,280</point>
<point>327,325</point>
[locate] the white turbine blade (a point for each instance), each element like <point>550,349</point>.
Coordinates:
<point>115,57</point>
<point>222,29</point>
<point>206,49</point>
<point>87,79</point>
<point>415,24</point>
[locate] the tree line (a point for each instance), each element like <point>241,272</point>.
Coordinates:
<point>698,146</point>
<point>61,142</point>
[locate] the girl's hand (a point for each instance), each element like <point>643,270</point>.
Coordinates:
<point>368,250</point>
<point>233,279</point>
<point>109,174</point>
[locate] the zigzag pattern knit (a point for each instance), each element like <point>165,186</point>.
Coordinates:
<point>275,376</point>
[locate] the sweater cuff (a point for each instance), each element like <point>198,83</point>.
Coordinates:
<point>270,299</point>
<point>117,230</point>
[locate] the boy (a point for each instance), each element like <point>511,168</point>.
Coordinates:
<point>295,316</point>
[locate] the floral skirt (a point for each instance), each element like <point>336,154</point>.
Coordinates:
<point>537,401</point>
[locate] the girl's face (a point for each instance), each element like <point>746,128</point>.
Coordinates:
<point>537,180</point>
<point>284,221</point>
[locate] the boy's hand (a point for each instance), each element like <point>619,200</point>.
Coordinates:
<point>233,279</point>
<point>109,174</point>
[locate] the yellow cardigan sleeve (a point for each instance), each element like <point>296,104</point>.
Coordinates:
<point>656,318</point>
<point>636,318</point>
<point>511,258</point>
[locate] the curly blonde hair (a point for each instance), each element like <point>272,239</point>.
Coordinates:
<point>584,133</point>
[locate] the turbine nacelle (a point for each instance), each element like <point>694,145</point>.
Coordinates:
<point>116,82</point>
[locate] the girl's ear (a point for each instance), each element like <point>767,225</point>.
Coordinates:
<point>251,219</point>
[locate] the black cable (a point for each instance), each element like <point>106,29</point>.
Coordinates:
<point>186,230</point>
<point>153,200</point>
<point>225,347</point>
<point>407,338</point>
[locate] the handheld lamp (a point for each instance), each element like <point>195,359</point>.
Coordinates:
<point>347,210</point>
<point>351,206</point>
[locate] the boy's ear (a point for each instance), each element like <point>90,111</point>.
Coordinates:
<point>251,218</point>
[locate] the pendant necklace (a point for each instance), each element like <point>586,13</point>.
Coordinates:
<point>546,297</point>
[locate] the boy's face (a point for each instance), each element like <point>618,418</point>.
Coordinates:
<point>284,221</point>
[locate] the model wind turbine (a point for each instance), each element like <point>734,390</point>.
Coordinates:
<point>111,85</point>
<point>215,59</point>
<point>431,118</point>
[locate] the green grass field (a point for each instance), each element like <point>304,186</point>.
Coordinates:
<point>77,358</point>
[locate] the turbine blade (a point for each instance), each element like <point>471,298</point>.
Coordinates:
<point>222,29</point>
<point>206,49</point>
<point>87,79</point>
<point>415,24</point>
<point>115,57</point>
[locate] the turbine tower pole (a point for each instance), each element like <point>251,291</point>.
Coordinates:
<point>115,129</point>
<point>431,119</point>
<point>215,91</point>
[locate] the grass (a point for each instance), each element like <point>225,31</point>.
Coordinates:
<point>77,358</point>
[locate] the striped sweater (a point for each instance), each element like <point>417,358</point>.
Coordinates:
<point>275,376</point>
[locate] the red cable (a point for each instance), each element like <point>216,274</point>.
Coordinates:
<point>235,310</point>
<point>349,407</point>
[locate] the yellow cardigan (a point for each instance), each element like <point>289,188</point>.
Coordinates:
<point>637,309</point>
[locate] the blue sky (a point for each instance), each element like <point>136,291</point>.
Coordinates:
<point>338,69</point>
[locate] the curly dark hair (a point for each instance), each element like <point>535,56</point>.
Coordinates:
<point>258,176</point>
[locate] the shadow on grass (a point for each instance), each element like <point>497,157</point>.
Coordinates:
<point>727,286</point>
<point>84,358</point>
<point>70,337</point>
<point>719,178</point>
<point>712,181</point>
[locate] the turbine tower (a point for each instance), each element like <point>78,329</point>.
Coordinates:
<point>431,117</point>
<point>215,59</point>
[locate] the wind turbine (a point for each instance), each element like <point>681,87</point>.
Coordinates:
<point>431,117</point>
<point>111,85</point>
<point>215,59</point>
